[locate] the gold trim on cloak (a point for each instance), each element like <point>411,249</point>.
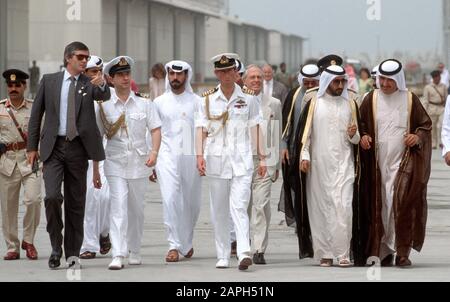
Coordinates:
<point>294,100</point>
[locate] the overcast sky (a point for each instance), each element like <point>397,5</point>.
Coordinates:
<point>342,26</point>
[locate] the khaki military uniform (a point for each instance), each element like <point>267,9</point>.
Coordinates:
<point>434,102</point>
<point>15,172</point>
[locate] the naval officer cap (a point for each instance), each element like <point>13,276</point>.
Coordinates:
<point>329,60</point>
<point>15,76</point>
<point>119,64</point>
<point>225,61</point>
<point>95,62</point>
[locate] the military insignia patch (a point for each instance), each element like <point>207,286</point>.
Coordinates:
<point>240,104</point>
<point>123,62</point>
<point>224,60</point>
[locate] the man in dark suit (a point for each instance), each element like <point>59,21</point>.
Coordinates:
<point>272,87</point>
<point>68,139</point>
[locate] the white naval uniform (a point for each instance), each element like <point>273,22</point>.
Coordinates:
<point>261,187</point>
<point>126,155</point>
<point>177,164</point>
<point>229,166</point>
<point>392,124</point>
<point>329,183</point>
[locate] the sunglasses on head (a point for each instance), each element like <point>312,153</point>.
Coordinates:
<point>15,85</point>
<point>82,57</point>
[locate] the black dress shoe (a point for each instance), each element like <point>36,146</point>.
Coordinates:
<point>55,260</point>
<point>388,261</point>
<point>258,258</point>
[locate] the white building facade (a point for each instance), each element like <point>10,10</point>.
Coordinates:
<point>150,31</point>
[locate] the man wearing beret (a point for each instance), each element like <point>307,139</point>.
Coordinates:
<point>69,138</point>
<point>15,170</point>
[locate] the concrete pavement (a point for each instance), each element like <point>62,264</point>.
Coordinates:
<point>433,264</point>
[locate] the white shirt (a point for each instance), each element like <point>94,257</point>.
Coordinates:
<point>446,129</point>
<point>63,104</point>
<point>228,151</point>
<point>128,150</point>
<point>268,87</point>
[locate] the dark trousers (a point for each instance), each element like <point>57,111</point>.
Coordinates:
<point>69,163</point>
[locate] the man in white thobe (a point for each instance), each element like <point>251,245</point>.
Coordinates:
<point>328,159</point>
<point>395,157</point>
<point>125,120</point>
<point>261,187</point>
<point>180,188</point>
<point>226,119</point>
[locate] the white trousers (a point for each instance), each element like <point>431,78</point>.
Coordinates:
<point>96,217</point>
<point>127,214</point>
<point>181,194</point>
<point>231,196</point>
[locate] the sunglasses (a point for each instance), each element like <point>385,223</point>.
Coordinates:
<point>15,85</point>
<point>82,57</point>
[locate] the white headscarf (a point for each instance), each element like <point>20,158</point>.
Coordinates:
<point>310,71</point>
<point>179,66</point>
<point>328,75</point>
<point>392,69</point>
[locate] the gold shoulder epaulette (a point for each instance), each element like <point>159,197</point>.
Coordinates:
<point>144,95</point>
<point>248,91</point>
<point>312,90</point>
<point>209,92</point>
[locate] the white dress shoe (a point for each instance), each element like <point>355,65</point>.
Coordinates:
<point>223,263</point>
<point>134,259</point>
<point>116,264</point>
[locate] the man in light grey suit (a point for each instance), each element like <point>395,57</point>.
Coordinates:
<point>272,87</point>
<point>261,185</point>
<point>68,139</point>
